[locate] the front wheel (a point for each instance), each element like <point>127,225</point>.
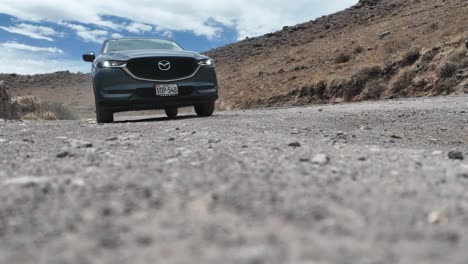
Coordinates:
<point>205,110</point>
<point>104,115</point>
<point>172,112</point>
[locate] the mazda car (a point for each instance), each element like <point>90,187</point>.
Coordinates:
<point>131,74</point>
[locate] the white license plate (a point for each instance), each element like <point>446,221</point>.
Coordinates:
<point>167,89</point>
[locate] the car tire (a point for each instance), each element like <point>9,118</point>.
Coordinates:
<point>104,115</point>
<point>205,110</point>
<point>172,112</point>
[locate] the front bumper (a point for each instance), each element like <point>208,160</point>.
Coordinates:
<point>117,91</point>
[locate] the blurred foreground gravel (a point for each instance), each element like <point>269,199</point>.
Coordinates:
<point>369,182</point>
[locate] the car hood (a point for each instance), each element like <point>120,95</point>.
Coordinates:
<point>131,54</point>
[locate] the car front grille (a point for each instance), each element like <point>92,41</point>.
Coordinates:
<point>147,68</point>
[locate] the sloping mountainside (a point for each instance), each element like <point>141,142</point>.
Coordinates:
<point>376,49</point>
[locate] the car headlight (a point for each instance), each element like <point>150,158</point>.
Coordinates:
<point>206,62</point>
<point>110,64</point>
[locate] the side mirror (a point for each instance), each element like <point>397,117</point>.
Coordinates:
<point>89,57</point>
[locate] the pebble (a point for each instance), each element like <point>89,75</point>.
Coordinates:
<point>295,144</point>
<point>112,139</point>
<point>75,143</point>
<point>27,181</point>
<point>455,155</point>
<point>321,159</point>
<point>437,153</point>
<point>63,154</point>
<point>434,217</point>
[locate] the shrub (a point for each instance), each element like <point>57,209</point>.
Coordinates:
<point>48,116</point>
<point>31,108</point>
<point>59,110</point>
<point>354,86</point>
<point>374,90</point>
<point>25,105</point>
<point>358,50</point>
<point>446,70</point>
<point>368,72</point>
<point>342,57</point>
<point>458,55</point>
<point>403,81</point>
<point>410,57</point>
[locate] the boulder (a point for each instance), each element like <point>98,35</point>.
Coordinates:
<point>6,109</point>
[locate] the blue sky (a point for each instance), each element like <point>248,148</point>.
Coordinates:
<point>38,36</point>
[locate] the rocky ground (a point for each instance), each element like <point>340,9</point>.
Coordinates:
<point>373,182</point>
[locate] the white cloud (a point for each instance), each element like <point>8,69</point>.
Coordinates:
<point>33,60</point>
<point>32,31</point>
<point>116,35</point>
<point>19,46</point>
<point>138,28</point>
<point>87,34</point>
<point>205,17</point>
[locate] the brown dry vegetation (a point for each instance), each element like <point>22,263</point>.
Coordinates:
<point>376,49</point>
<point>31,108</point>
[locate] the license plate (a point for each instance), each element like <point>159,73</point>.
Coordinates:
<point>167,89</point>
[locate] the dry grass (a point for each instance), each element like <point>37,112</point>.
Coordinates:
<point>342,56</point>
<point>402,82</point>
<point>31,108</point>
<point>323,62</point>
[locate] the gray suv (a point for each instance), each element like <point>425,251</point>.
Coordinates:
<point>144,74</point>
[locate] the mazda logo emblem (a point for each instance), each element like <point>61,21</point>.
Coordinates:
<point>164,65</point>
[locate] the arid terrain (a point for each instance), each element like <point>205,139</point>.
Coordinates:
<point>375,50</point>
<point>372,182</point>
<point>340,140</point>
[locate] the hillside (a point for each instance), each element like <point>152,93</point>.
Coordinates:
<point>373,50</point>
<point>402,47</point>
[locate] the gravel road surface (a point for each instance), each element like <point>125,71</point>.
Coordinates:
<point>372,182</point>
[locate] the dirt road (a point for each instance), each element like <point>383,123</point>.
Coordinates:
<point>351,183</point>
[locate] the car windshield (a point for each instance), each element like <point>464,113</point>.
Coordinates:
<point>115,45</point>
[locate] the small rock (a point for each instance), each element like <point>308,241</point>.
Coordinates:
<point>171,139</point>
<point>384,34</point>
<point>75,143</point>
<point>295,144</point>
<point>295,132</point>
<point>463,175</point>
<point>2,140</point>
<point>63,154</point>
<point>26,181</point>
<point>434,217</point>
<point>321,159</point>
<point>456,155</point>
<point>364,128</point>
<point>463,172</point>
<point>112,139</point>
<point>362,158</point>
<point>396,137</point>
<point>437,153</point>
